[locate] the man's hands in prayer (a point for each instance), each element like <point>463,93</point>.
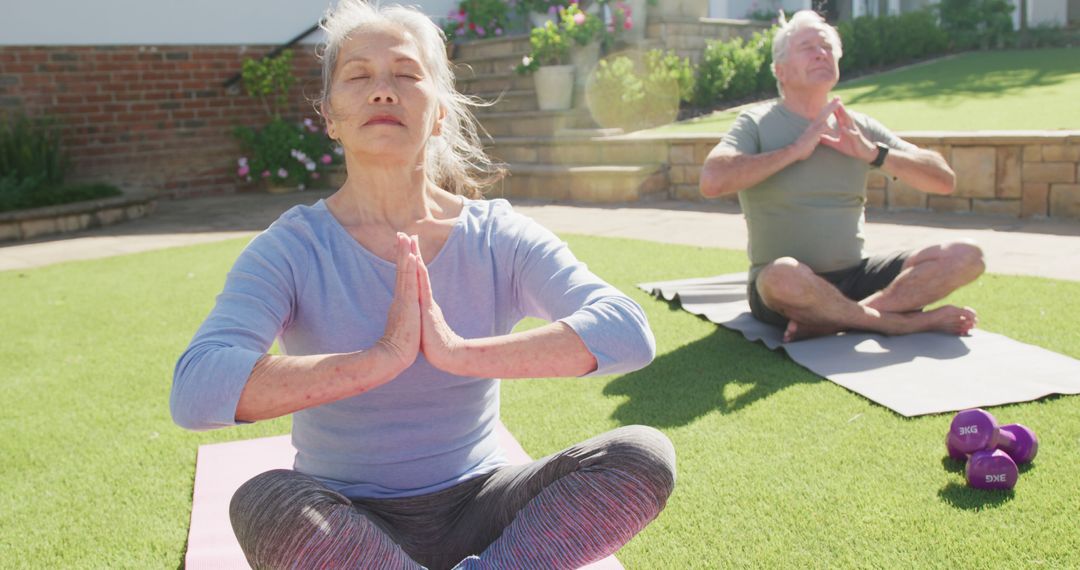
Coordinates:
<point>846,137</point>
<point>843,135</point>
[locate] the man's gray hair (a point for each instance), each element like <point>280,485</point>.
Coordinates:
<point>455,159</point>
<point>801,20</point>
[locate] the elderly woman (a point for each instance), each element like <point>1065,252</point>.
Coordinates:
<point>394,300</point>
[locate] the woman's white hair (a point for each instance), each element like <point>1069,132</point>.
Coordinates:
<point>455,159</point>
<point>799,21</point>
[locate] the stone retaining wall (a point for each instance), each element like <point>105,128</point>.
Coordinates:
<point>687,36</point>
<point>1018,174</point>
<point>37,222</point>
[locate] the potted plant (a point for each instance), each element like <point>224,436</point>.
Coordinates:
<point>282,155</point>
<point>548,61</point>
<point>586,32</point>
<point>542,11</point>
<point>628,18</point>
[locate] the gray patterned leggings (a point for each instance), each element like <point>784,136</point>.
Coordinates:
<point>563,511</point>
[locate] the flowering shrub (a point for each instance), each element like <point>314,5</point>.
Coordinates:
<point>580,27</point>
<point>475,19</point>
<point>281,153</point>
<point>286,154</point>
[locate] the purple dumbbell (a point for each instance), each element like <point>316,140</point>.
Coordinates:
<point>977,430</point>
<point>991,470</point>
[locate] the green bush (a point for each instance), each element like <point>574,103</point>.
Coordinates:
<point>976,23</point>
<point>15,196</point>
<point>30,153</point>
<point>728,71</point>
<point>637,93</point>
<point>766,81</point>
<point>269,79</point>
<point>33,166</point>
<point>889,40</point>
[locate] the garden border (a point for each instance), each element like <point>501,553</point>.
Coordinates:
<point>64,218</point>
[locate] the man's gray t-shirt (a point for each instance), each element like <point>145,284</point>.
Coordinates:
<point>813,209</point>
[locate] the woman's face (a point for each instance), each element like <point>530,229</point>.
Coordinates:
<point>382,103</point>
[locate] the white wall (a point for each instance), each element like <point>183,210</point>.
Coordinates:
<point>1047,12</point>
<point>738,9</point>
<point>157,22</point>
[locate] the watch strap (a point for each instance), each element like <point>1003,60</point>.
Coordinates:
<point>882,152</point>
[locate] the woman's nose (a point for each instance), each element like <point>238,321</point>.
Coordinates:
<point>382,93</point>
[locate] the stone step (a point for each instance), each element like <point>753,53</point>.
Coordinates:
<point>585,183</point>
<point>469,82</point>
<point>508,101</point>
<point>497,47</point>
<point>532,123</point>
<point>567,149</point>
<point>488,65</point>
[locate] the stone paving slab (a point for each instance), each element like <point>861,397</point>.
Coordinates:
<point>1021,247</point>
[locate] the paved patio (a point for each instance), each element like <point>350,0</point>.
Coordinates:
<point>1021,247</point>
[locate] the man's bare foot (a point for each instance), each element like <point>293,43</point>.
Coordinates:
<point>801,331</point>
<point>948,319</point>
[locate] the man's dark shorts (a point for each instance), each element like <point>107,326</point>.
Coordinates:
<point>856,283</point>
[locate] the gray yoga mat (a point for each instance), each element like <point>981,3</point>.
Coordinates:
<point>913,375</point>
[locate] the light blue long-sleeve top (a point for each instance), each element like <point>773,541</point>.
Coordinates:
<point>307,282</point>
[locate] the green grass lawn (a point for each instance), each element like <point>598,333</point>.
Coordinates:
<point>999,90</point>
<point>777,467</point>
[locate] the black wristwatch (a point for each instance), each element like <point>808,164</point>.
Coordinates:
<point>882,152</point>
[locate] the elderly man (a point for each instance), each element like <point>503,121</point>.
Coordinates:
<point>799,165</point>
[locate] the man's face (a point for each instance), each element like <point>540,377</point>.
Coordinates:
<point>809,63</point>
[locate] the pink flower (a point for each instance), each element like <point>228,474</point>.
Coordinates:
<point>327,159</point>
<point>480,31</point>
<point>628,23</point>
<point>579,18</point>
<point>266,174</point>
<point>282,173</point>
<point>498,31</point>
<point>243,170</point>
<point>553,10</point>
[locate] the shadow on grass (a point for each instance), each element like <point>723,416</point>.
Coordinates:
<point>963,497</point>
<point>967,76</point>
<point>722,372</point>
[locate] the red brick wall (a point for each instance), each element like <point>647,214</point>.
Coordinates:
<point>146,118</point>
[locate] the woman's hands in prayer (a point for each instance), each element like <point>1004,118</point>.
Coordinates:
<point>415,323</point>
<point>401,338</point>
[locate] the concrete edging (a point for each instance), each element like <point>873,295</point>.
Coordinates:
<point>76,216</point>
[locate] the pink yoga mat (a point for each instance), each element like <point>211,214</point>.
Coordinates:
<point>222,467</point>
